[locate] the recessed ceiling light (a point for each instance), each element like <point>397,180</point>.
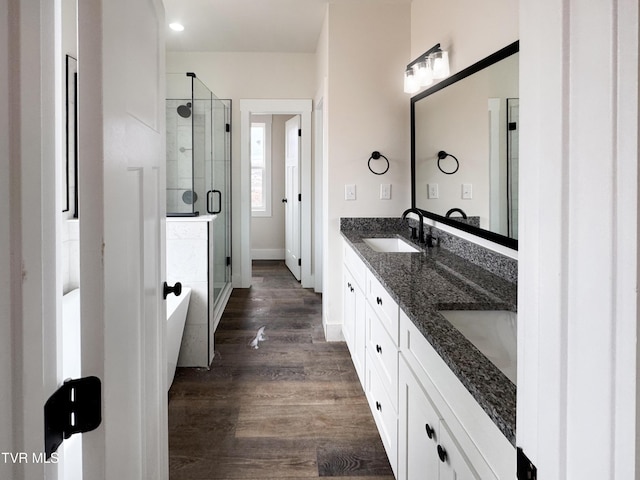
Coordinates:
<point>178,27</point>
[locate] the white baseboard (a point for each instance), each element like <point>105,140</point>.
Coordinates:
<point>332,332</point>
<point>267,254</point>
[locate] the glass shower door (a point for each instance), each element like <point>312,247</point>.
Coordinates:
<point>219,196</point>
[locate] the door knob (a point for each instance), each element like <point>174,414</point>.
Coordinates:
<point>442,454</point>
<point>429,430</point>
<point>176,290</point>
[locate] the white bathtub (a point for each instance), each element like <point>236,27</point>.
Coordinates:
<point>176,316</point>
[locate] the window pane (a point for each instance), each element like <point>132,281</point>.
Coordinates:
<point>257,144</point>
<point>257,189</point>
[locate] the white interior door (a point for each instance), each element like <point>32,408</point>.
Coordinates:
<point>122,209</point>
<point>292,189</point>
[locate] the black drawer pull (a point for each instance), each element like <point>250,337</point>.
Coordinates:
<point>430,430</point>
<point>378,349</point>
<point>442,454</point>
<point>378,406</point>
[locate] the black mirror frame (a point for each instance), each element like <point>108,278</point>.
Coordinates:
<point>476,67</point>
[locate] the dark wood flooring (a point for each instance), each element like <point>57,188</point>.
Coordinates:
<point>291,409</point>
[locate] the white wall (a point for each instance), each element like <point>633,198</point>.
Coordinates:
<point>366,111</point>
<point>468,29</point>
<point>247,75</point>
<point>267,233</point>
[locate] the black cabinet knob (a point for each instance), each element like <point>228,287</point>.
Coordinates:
<point>176,290</point>
<point>378,300</point>
<point>284,200</point>
<point>378,349</point>
<point>442,454</point>
<point>379,406</point>
<point>430,430</point>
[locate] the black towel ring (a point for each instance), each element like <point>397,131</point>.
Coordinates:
<point>376,156</point>
<point>441,156</point>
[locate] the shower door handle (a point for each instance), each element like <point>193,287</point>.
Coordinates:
<point>209,209</point>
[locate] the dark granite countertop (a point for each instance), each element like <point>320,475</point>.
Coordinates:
<point>436,279</point>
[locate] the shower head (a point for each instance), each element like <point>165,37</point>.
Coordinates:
<point>185,110</point>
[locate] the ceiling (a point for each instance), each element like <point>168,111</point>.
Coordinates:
<point>245,25</point>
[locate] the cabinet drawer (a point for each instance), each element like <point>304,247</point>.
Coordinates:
<point>384,414</point>
<point>355,265</point>
<point>384,354</point>
<point>384,305</point>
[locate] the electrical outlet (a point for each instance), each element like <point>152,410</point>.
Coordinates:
<point>432,190</point>
<point>467,191</point>
<point>385,191</point>
<point>350,192</point>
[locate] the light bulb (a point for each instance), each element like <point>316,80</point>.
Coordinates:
<point>178,27</point>
<point>440,64</point>
<point>411,84</point>
<point>423,72</point>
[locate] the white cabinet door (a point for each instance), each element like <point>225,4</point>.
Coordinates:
<point>418,430</point>
<point>349,309</point>
<point>426,447</point>
<point>353,327</point>
<point>453,463</point>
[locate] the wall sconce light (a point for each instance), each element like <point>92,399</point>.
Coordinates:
<point>431,65</point>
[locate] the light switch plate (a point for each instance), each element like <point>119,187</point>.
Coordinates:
<point>350,192</point>
<point>385,191</point>
<point>467,191</point>
<point>432,190</point>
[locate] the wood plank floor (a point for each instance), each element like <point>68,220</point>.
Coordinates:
<point>291,409</point>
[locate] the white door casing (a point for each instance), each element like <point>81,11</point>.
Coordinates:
<point>242,203</point>
<point>122,208</point>
<point>292,190</point>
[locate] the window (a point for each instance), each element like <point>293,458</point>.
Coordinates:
<point>261,166</point>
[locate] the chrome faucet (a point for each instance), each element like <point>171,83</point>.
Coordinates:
<point>420,235</point>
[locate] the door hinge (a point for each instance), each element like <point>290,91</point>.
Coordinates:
<point>299,132</point>
<point>513,126</point>
<point>76,407</point>
<point>299,197</point>
<point>227,127</point>
<point>525,469</point>
<point>299,262</point>
<point>228,261</point>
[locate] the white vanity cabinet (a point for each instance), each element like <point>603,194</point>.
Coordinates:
<point>430,393</point>
<point>430,425</point>
<point>353,323</point>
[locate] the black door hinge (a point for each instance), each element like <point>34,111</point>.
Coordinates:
<point>299,132</point>
<point>299,262</point>
<point>525,469</point>
<point>227,127</point>
<point>512,126</point>
<point>299,197</point>
<point>76,407</point>
<point>228,261</point>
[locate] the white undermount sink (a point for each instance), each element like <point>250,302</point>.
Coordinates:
<point>493,332</point>
<point>390,245</point>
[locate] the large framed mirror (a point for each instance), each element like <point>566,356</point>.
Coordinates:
<point>464,149</point>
